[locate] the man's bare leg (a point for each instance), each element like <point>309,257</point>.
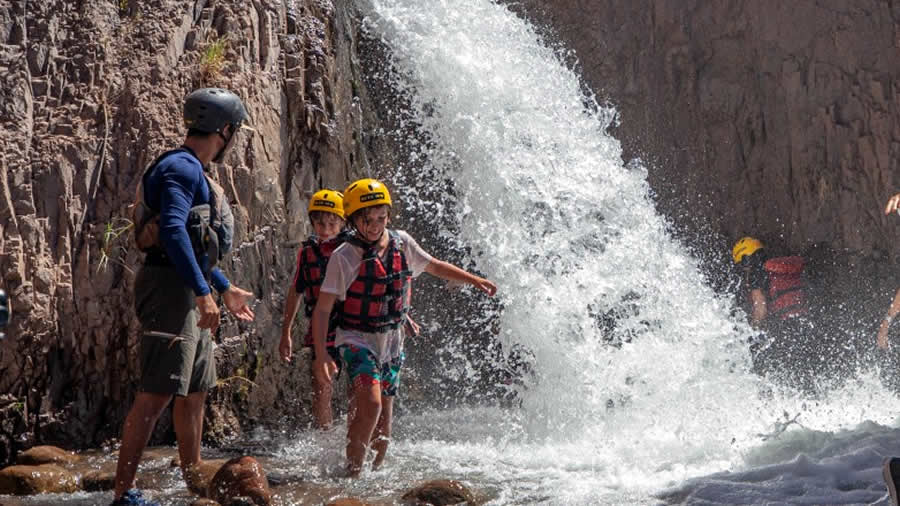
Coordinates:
<point>138,426</point>
<point>187,416</point>
<point>382,435</point>
<point>365,408</point>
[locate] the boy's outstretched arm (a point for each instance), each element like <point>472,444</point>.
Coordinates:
<point>893,204</point>
<point>450,272</point>
<point>324,368</point>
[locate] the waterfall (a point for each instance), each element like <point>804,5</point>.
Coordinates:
<point>640,375</point>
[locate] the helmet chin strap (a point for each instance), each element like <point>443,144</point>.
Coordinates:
<point>221,154</point>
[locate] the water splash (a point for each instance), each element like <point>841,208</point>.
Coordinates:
<point>641,374</point>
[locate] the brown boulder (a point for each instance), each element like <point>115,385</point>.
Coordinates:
<point>203,501</point>
<point>240,480</point>
<point>439,493</point>
<point>97,481</point>
<point>46,454</point>
<point>44,479</point>
<point>199,476</point>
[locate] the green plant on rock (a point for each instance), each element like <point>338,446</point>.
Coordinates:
<point>213,58</point>
<point>125,8</point>
<point>243,388</point>
<point>111,245</point>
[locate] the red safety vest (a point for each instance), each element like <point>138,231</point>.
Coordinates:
<point>312,260</point>
<point>787,287</point>
<point>378,300</point>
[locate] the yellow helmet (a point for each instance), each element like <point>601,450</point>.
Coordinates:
<point>744,247</point>
<point>365,193</point>
<point>327,201</point>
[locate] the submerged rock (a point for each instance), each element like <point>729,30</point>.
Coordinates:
<point>203,501</point>
<point>347,501</point>
<point>98,480</point>
<point>440,493</point>
<point>199,477</point>
<point>43,479</point>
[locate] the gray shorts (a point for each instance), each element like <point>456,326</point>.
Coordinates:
<point>176,356</point>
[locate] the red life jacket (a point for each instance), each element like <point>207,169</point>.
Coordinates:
<point>378,300</point>
<point>312,261</point>
<point>787,287</point>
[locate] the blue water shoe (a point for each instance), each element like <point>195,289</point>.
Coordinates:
<point>133,497</point>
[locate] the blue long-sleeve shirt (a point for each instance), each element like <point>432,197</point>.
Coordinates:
<point>175,186</point>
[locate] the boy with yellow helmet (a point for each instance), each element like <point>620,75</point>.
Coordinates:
<point>370,274</point>
<point>326,214</point>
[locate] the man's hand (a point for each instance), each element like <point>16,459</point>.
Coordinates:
<point>208,312</point>
<point>286,347</point>
<point>236,301</point>
<point>893,204</point>
<point>324,369</point>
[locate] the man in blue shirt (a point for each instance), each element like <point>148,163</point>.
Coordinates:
<point>173,299</point>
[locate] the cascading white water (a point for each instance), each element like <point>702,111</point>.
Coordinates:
<point>641,376</point>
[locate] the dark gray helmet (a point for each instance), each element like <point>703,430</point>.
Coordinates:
<point>210,109</point>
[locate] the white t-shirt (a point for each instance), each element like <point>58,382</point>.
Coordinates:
<point>343,268</point>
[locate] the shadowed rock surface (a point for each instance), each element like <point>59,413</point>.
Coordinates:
<point>91,93</point>
<point>764,118</point>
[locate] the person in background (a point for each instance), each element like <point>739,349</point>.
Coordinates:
<point>775,292</point>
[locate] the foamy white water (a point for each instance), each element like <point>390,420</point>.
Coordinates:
<point>582,259</point>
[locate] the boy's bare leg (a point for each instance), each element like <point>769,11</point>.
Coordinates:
<point>138,426</point>
<point>321,403</point>
<point>382,435</point>
<point>365,408</point>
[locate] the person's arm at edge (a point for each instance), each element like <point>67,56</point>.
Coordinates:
<point>882,338</point>
<point>893,204</point>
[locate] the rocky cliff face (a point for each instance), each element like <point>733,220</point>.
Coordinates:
<point>763,118</point>
<point>91,93</point>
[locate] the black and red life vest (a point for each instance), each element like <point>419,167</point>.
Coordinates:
<point>312,261</point>
<point>377,300</point>
<point>786,297</point>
